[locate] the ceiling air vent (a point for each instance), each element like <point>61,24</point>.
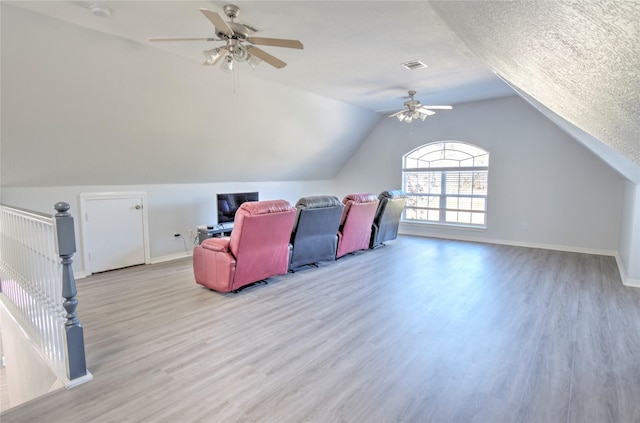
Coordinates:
<point>414,64</point>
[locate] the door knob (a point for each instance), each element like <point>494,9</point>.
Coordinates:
<point>138,207</point>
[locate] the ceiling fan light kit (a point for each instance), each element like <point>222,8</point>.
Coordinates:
<point>227,65</point>
<point>212,56</point>
<point>234,34</point>
<point>253,61</point>
<point>408,116</point>
<point>240,53</point>
<point>414,110</point>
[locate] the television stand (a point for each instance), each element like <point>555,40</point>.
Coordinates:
<point>214,231</point>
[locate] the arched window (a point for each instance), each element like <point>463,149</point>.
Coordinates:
<point>446,183</point>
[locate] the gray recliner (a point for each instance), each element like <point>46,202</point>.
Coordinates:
<point>387,218</point>
<point>314,237</point>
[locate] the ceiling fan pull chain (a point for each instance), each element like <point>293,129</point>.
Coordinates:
<point>236,79</point>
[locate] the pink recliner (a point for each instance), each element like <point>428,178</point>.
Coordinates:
<point>355,225</point>
<point>257,249</point>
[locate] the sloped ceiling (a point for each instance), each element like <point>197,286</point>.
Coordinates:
<point>580,59</point>
<point>353,49</point>
<point>115,108</point>
<point>97,93</point>
<point>80,107</point>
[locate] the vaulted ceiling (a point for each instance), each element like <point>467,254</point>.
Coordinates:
<point>579,59</point>
<point>353,50</point>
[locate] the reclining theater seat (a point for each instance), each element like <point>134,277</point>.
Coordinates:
<point>315,230</point>
<point>354,232</point>
<point>257,249</point>
<point>387,218</point>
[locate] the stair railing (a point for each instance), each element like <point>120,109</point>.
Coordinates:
<point>37,284</point>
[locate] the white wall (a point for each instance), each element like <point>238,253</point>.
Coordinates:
<point>568,198</point>
<point>614,159</point>
<point>171,208</point>
<point>27,371</point>
<point>630,235</point>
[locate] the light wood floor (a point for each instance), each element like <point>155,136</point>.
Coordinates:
<point>421,330</point>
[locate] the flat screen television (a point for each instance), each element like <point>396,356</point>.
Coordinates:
<point>228,204</point>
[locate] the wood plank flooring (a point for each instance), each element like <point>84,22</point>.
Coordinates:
<point>422,330</point>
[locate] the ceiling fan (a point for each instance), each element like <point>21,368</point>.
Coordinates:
<point>415,110</point>
<point>234,35</point>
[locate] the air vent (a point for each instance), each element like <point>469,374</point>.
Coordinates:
<point>414,64</point>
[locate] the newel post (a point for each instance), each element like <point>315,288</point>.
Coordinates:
<point>66,248</point>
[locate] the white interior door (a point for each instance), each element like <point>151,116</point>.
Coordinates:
<point>114,231</point>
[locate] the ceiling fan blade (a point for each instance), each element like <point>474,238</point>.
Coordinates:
<point>248,26</point>
<point>217,21</point>
<point>261,54</point>
<point>386,110</point>
<point>425,111</point>
<point>276,42</point>
<point>438,107</point>
<point>397,113</point>
<point>183,39</point>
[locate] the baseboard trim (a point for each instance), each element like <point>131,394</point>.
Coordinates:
<point>82,274</point>
<point>418,231</point>
<point>79,380</point>
<point>633,283</point>
<point>471,238</point>
<point>627,281</point>
<point>170,257</point>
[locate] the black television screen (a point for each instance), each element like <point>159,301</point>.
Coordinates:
<point>228,204</point>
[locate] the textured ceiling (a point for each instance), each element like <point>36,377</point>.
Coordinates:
<point>581,59</point>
